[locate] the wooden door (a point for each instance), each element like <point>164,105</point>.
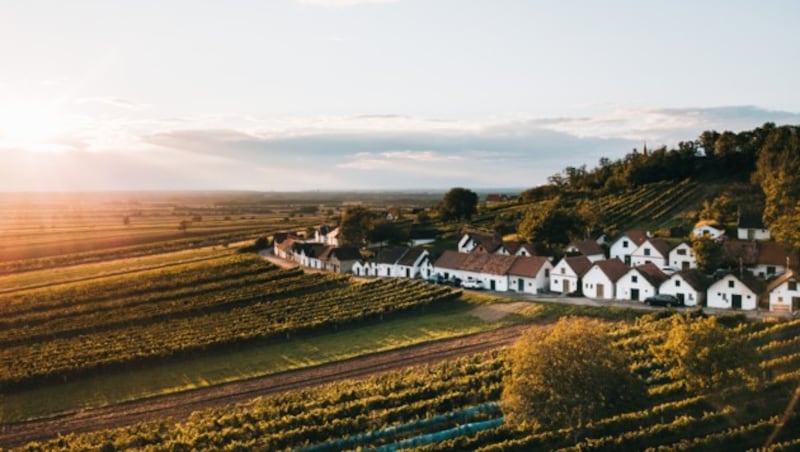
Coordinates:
<point>601,291</point>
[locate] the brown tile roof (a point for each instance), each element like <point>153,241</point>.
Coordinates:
<point>528,266</point>
<point>652,274</point>
<point>695,278</point>
<point>587,247</point>
<point>346,253</point>
<point>286,245</point>
<point>773,253</point>
<point>489,242</point>
<point>579,264</point>
<point>389,255</point>
<point>496,197</point>
<point>637,236</point>
<point>451,259</point>
<point>613,268</point>
<point>733,250</point>
<point>494,264</point>
<point>662,246</point>
<point>786,276</point>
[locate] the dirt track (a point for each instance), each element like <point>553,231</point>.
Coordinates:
<point>179,406</point>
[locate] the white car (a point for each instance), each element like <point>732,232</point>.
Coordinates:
<point>472,284</point>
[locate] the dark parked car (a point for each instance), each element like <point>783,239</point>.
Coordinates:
<point>663,300</point>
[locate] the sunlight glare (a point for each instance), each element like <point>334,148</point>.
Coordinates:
<point>34,128</point>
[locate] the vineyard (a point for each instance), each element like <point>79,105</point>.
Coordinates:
<point>452,406</point>
<point>58,333</point>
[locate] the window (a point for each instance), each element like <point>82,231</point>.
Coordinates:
<point>681,252</point>
<point>771,270</point>
<point>792,285</point>
<point>624,243</point>
<point>731,284</point>
<point>634,278</point>
<point>647,251</point>
<point>677,283</point>
<point>563,270</point>
<point>546,272</point>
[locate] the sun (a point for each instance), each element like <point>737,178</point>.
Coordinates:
<point>31,127</point>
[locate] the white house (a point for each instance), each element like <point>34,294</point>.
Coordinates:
<point>419,237</point>
<point>341,260</point>
<point>530,274</point>
<point>566,275</point>
<point>784,293</point>
<point>640,282</point>
<point>731,292</point>
<point>518,249</point>
<point>284,249</point>
<point>623,247</point>
<point>589,248</point>
<point>386,259</point>
<point>655,251</point>
<point>327,235</point>
<point>311,255</point>
<point>689,286</point>
<point>710,229</point>
<point>488,242</point>
<point>772,259</point>
<point>490,269</point>
<point>363,268</point>
<point>411,263</point>
<point>682,257</point>
<point>600,281</point>
<point>751,227</point>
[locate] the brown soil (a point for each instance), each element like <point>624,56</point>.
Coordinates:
<point>496,311</point>
<point>179,406</point>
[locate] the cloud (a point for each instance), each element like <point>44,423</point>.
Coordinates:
<point>344,3</point>
<point>113,102</point>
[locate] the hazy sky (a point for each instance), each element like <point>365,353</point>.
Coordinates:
<point>336,94</point>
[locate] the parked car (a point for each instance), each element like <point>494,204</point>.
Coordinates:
<point>472,284</point>
<point>669,270</point>
<point>663,300</point>
<point>436,278</point>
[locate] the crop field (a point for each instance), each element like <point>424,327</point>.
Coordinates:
<point>454,406</point>
<point>59,333</point>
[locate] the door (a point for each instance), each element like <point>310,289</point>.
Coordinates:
<point>681,297</point>
<point>628,261</point>
<point>491,285</point>
<point>685,265</point>
<point>601,291</point>
<point>736,300</point>
<point>795,303</point>
<point>565,286</point>
<point>635,294</point>
<point>408,273</point>
<point>520,285</point>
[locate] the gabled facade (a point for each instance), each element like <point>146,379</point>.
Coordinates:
<point>341,260</point>
<point>565,278</point>
<point>731,292</point>
<point>784,293</point>
<point>490,269</point>
<point>655,251</point>
<point>471,240</point>
<point>624,246</point>
<point>772,259</point>
<point>589,248</point>
<point>327,235</point>
<point>600,281</point>
<point>530,274</point>
<point>411,263</point>
<point>682,257</point>
<point>640,282</point>
<point>689,286</point>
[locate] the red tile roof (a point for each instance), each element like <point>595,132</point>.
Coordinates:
<point>662,246</point>
<point>613,268</point>
<point>579,264</point>
<point>587,247</point>
<point>773,253</point>
<point>652,274</point>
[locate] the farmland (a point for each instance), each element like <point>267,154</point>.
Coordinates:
<point>428,406</point>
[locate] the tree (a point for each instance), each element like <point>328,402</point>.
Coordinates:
<point>551,224</point>
<point>706,355</point>
<point>458,204</point>
<point>355,225</point>
<point>183,225</point>
<point>708,253</point>
<point>567,375</point>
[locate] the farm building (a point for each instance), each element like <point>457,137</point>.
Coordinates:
<point>566,275</point>
<point>490,269</point>
<point>655,251</point>
<point>689,286</point>
<point>731,292</point>
<point>751,227</point>
<point>600,281</point>
<point>588,248</point>
<point>640,282</point>
<point>488,242</point>
<point>530,274</point>
<point>624,246</point>
<point>707,228</point>
<point>682,257</point>
<point>784,293</point>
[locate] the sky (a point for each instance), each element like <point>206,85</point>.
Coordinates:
<point>280,95</point>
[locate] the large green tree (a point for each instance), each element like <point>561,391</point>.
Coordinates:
<point>706,355</point>
<point>708,253</point>
<point>778,173</point>
<point>458,204</point>
<point>355,226</point>
<point>568,374</point>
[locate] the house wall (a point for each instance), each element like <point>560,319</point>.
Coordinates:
<point>677,260</point>
<point>655,258</point>
<point>765,271</point>
<point>623,247</point>
<point>532,285</point>
<point>592,279</point>
<point>634,280</point>
<point>383,269</point>
<point>720,294</point>
<point>711,232</point>
<point>752,234</point>
<point>562,272</point>
<point>466,244</point>
<point>780,299</point>
<point>676,285</point>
